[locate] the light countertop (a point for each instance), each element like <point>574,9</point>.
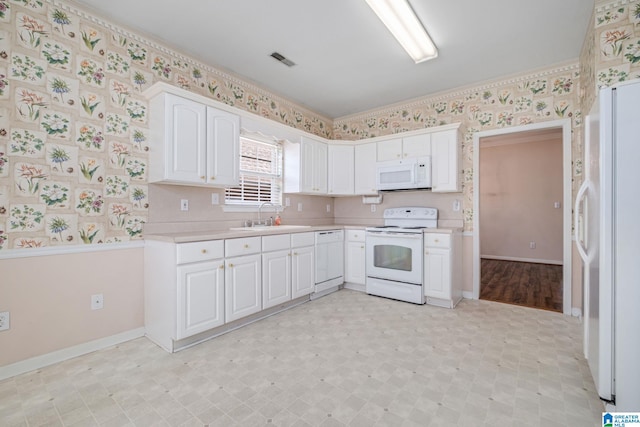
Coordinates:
<point>198,236</point>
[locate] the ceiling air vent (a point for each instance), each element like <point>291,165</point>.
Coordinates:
<point>281,58</point>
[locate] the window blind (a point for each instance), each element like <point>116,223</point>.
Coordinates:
<point>260,174</point>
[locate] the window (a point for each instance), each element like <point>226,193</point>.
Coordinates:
<point>260,174</point>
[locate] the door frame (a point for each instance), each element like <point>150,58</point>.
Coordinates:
<point>565,125</point>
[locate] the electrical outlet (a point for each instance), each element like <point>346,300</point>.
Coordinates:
<point>300,207</point>
<point>373,208</point>
<point>215,199</point>
<point>287,201</point>
<point>456,205</point>
<point>184,205</point>
<point>97,302</point>
<point>532,245</point>
<point>5,321</point>
<point>328,208</point>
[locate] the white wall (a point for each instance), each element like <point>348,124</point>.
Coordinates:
<point>519,184</point>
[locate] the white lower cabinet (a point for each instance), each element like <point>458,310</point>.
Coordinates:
<point>243,289</point>
<point>183,290</point>
<point>442,269</point>
<point>200,297</point>
<point>355,257</point>
<point>276,270</point>
<point>302,264</point>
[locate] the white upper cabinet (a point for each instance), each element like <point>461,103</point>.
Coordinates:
<point>390,149</point>
<point>340,170</point>
<point>223,141</point>
<point>365,156</point>
<point>192,143</point>
<point>445,162</point>
<point>403,148</point>
<point>305,167</point>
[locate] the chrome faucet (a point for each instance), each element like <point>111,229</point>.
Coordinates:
<point>275,208</point>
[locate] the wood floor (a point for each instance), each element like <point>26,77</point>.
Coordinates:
<point>522,283</point>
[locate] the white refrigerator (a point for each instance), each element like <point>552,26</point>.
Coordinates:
<point>607,224</point>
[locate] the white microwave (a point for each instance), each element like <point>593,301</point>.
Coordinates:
<point>406,174</point>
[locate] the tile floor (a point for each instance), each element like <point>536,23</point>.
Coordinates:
<point>347,359</point>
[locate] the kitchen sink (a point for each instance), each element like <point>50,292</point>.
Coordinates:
<point>269,227</point>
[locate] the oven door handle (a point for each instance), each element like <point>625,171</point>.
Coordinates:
<point>394,234</point>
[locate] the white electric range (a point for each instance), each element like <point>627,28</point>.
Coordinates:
<point>394,253</point>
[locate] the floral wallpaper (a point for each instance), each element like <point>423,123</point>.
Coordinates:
<point>74,124</point>
<point>617,37</point>
<point>611,53</point>
<point>548,95</point>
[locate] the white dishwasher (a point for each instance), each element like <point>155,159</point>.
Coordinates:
<point>329,259</point>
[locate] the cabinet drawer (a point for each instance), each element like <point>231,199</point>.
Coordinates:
<point>355,235</point>
<point>302,239</point>
<point>242,246</point>
<point>276,243</point>
<point>199,251</point>
<point>434,240</point>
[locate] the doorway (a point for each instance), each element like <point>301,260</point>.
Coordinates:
<point>562,256</point>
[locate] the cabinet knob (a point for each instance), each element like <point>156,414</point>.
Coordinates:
<point>203,177</point>
<point>436,240</point>
<point>221,267</point>
<point>204,251</point>
<point>230,265</point>
<point>246,246</point>
<point>213,178</point>
<point>426,252</point>
<point>295,253</point>
<point>397,155</point>
<point>361,247</point>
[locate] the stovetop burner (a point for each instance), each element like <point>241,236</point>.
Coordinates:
<point>408,219</point>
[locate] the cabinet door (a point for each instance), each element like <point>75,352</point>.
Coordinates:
<point>307,165</point>
<point>223,140</point>
<point>321,167</point>
<point>437,273</point>
<point>302,271</point>
<point>444,162</point>
<point>355,267</point>
<point>365,169</point>
<point>390,149</point>
<point>340,167</point>
<point>200,297</point>
<point>276,278</point>
<point>243,292</point>
<point>185,140</point>
<point>416,146</point>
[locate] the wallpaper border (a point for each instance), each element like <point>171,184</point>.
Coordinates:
<point>571,66</point>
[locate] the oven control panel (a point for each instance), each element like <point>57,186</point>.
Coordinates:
<point>411,213</point>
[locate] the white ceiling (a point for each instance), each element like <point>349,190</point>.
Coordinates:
<point>346,60</point>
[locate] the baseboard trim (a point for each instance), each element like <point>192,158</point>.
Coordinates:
<point>57,356</point>
<point>467,295</point>
<point>533,260</point>
<point>576,312</point>
<point>355,287</point>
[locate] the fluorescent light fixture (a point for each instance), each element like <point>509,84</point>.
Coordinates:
<point>405,26</point>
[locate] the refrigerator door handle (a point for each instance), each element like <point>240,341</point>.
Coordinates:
<point>576,217</point>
